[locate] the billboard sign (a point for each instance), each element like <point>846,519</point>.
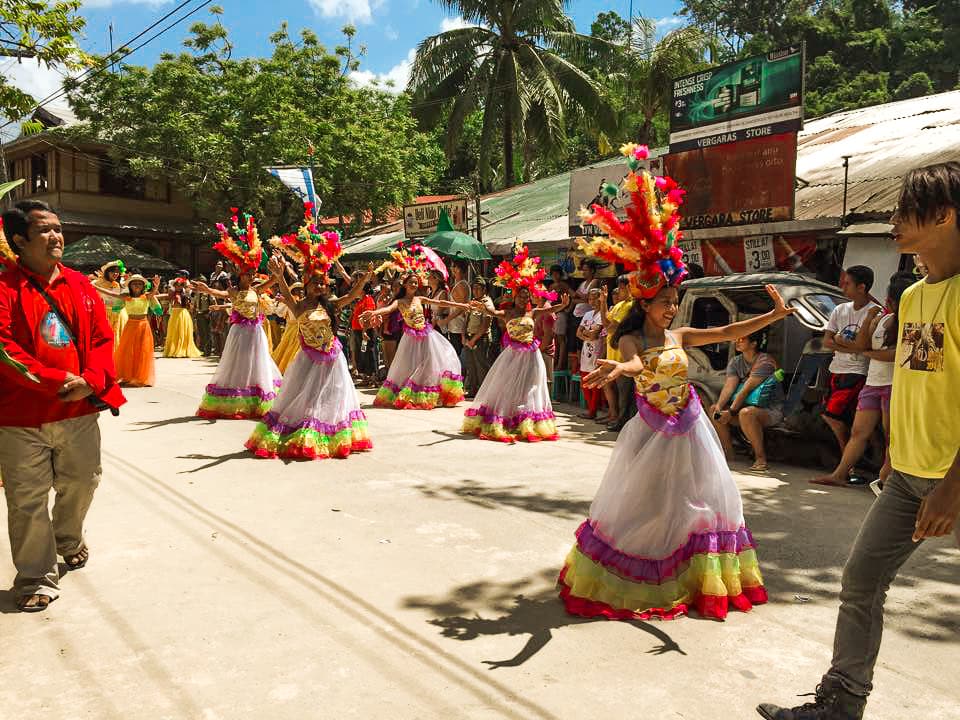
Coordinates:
<point>586,189</point>
<point>421,220</point>
<point>744,183</point>
<point>755,97</point>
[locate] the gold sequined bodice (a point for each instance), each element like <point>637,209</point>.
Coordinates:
<point>316,330</point>
<point>664,380</point>
<point>521,329</point>
<point>247,304</point>
<point>413,314</point>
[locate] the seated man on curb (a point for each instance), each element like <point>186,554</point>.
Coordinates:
<point>54,324</point>
<point>751,399</point>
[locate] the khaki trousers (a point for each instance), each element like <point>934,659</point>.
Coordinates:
<point>63,456</point>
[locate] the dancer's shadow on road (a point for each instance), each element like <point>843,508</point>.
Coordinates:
<point>215,460</point>
<point>154,424</point>
<point>447,437</point>
<point>537,616</point>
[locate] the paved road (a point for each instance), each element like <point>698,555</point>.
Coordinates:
<point>416,581</point>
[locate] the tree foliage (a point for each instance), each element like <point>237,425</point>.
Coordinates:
<point>513,63</point>
<point>860,52</point>
<point>40,32</point>
<point>210,123</point>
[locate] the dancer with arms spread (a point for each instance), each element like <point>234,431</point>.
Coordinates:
<point>513,402</point>
<point>425,373</point>
<point>666,533</point>
<point>134,354</point>
<point>109,284</point>
<point>317,414</point>
<point>246,381</point>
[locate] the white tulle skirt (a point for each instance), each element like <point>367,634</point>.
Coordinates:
<point>246,381</point>
<point>514,401</point>
<point>666,532</point>
<point>425,373</point>
<point>316,414</point>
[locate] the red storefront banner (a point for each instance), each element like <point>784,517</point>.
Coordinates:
<point>754,253</point>
<point>742,183</point>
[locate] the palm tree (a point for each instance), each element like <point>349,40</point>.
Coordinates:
<point>648,69</point>
<point>513,63</point>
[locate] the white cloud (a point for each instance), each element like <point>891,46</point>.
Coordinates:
<point>360,11</point>
<point>390,33</point>
<point>398,75</point>
<point>669,23</point>
<point>455,23</point>
<point>38,80</point>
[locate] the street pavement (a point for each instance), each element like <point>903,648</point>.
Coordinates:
<point>417,581</point>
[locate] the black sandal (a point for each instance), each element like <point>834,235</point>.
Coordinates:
<point>42,603</point>
<point>78,559</point>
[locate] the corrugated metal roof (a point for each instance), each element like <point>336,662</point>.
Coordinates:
<point>883,143</point>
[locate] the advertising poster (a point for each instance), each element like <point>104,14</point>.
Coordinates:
<point>755,97</point>
<point>586,189</point>
<point>421,220</point>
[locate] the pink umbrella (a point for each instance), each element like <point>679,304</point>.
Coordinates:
<point>433,260</point>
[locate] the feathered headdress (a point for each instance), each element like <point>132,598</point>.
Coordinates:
<point>8,258</point>
<point>240,244</point>
<point>404,261</point>
<point>315,251</point>
<point>647,242</point>
<point>523,272</point>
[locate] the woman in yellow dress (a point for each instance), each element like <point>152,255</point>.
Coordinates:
<point>179,342</point>
<point>289,345</point>
<point>134,356</point>
<point>109,285</point>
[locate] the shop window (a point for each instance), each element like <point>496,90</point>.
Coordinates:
<point>710,312</point>
<point>39,178</point>
<point>113,181</point>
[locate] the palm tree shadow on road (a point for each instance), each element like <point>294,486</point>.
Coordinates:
<point>536,615</point>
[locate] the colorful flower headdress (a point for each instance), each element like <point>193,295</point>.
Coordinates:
<point>8,258</point>
<point>647,242</point>
<point>404,261</point>
<point>523,272</point>
<point>315,251</point>
<point>118,264</point>
<point>240,244</point>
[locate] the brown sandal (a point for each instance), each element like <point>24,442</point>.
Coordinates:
<point>78,559</point>
<point>34,603</point>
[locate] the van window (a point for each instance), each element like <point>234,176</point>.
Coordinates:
<point>710,312</point>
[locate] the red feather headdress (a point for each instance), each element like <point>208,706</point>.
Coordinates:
<point>523,272</point>
<point>315,251</point>
<point>647,242</point>
<point>404,261</point>
<point>8,258</point>
<point>240,243</point>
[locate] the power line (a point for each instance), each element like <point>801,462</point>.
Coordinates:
<point>123,52</point>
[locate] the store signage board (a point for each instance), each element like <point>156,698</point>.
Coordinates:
<point>744,183</point>
<point>586,190</point>
<point>421,220</point>
<point>755,97</point>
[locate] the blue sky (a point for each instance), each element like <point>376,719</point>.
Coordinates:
<point>390,29</point>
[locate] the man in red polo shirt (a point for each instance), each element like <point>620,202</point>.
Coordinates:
<point>49,437</point>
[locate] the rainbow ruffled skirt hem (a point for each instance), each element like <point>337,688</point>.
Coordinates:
<point>311,439</point>
<point>411,396</point>
<point>530,427</point>
<point>249,403</point>
<point>711,573</point>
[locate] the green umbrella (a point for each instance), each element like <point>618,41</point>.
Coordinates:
<point>453,243</point>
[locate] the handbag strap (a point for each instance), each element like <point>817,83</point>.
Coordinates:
<point>99,404</point>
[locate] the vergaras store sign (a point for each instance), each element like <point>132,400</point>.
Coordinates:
<point>742,183</point>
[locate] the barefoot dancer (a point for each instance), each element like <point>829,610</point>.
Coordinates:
<point>666,533</point>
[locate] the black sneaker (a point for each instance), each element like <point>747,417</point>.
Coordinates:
<point>831,702</point>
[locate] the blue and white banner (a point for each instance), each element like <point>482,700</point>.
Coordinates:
<point>298,179</point>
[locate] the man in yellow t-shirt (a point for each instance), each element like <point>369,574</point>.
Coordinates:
<point>921,498</point>
<point>614,316</point>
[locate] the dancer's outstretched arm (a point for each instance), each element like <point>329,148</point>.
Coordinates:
<point>693,337</point>
<point>564,303</point>
<point>204,288</point>
<point>356,290</point>
<point>276,268</point>
<point>609,370</point>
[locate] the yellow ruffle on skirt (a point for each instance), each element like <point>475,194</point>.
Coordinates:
<point>118,321</point>
<point>288,347</point>
<point>179,342</point>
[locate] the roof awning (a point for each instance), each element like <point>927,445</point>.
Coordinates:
<point>551,234</point>
<point>867,229</point>
<point>372,247</point>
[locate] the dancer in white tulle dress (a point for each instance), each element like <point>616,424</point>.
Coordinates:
<point>246,381</point>
<point>317,413</point>
<point>513,403</point>
<point>425,372</point>
<point>666,533</point>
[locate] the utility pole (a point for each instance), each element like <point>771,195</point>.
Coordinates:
<point>846,176</point>
<point>476,200</point>
<point>110,30</point>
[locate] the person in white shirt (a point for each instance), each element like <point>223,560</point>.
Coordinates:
<point>591,333</point>
<point>877,340</point>
<point>848,371</point>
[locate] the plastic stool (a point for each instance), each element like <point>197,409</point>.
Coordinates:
<point>561,378</point>
<point>575,396</point>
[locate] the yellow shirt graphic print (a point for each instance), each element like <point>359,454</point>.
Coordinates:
<point>925,405</point>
